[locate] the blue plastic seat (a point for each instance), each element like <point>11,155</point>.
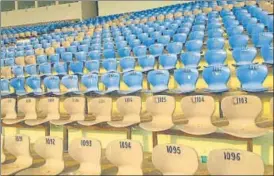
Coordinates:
<point>238,41</point>
<point>149,41</point>
<point>186,79</point>
<point>95,55</point>
<point>92,66</point>
<point>262,38</point>
<point>164,39</point>
<point>67,56</point>
<point>27,53</point>
<point>267,54</point>
<point>110,65</point>
<point>155,35</point>
<point>31,69</point>
<point>90,81</point>
<point>134,81</point>
<point>41,59</point>
<point>143,36</point>
<point>159,80</point>
<point>215,43</point>
<point>191,59</point>
<point>45,69</point>
<point>196,35</point>
<point>216,78</point>
<point>83,48</point>
<point>9,62</point>
<point>72,49</point>
<point>81,56</point>
<point>183,30</point>
<point>140,50</point>
<point>215,57</point>
<point>194,45</point>
<point>244,56</point>
<point>71,84</point>
<point>96,46</point>
<point>109,53</point>
<point>168,61</point>
<point>156,49</point>
<point>60,50</point>
<point>76,67</point>
<point>5,87</point>
<point>256,28</point>
<point>18,71</point>
<point>198,28</point>
<point>180,37</point>
<point>175,48</point>
<point>34,82</point>
<point>121,44</point>
<point>235,30</point>
<point>127,64</point>
<point>124,52</point>
<point>52,85</point>
<point>109,46</point>
<point>19,53</point>
<point>61,68</point>
<point>19,85</point>
<point>74,44</point>
<point>111,80</point>
<point>134,43</point>
<point>146,62</point>
<point>54,58</point>
<point>252,77</point>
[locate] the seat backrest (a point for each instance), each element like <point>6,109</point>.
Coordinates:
<point>160,104</point>
<point>111,80</point>
<point>128,105</point>
<point>175,159</point>
<point>241,107</point>
<point>197,106</point>
<point>49,148</point>
<point>244,55</point>
<point>18,145</point>
<point>109,64</point>
<point>234,162</point>
<point>158,78</point>
<point>251,74</point>
<point>85,150</point>
<point>133,79</point>
<point>125,153</point>
<point>100,106</point>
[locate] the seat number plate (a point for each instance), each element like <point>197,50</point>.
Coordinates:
<point>232,156</point>
<point>173,150</point>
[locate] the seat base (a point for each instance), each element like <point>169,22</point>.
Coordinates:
<point>159,123</point>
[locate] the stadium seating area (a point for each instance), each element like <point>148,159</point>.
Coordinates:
<point>140,63</point>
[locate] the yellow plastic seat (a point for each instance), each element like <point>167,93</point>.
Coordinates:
<point>48,106</point>
<point>241,112</point>
<point>29,60</point>
<point>234,162</point>
<point>20,61</point>
<point>198,110</point>
<point>127,155</point>
<point>6,72</point>
<point>18,146</point>
<point>8,111</point>
<point>175,159</point>
<point>39,51</point>
<point>161,108</point>
<point>50,51</point>
<point>129,108</point>
<point>75,107</point>
<point>50,149</point>
<point>101,109</point>
<point>87,152</point>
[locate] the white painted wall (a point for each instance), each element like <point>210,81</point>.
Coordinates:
<point>116,7</point>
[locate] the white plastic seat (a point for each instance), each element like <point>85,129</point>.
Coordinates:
<point>49,107</point>
<point>28,107</point>
<point>51,149</point>
<point>234,162</point>
<point>75,107</point>
<point>8,108</point>
<point>241,112</point>
<point>3,156</point>
<point>175,159</point>
<point>127,155</point>
<point>161,108</point>
<point>198,110</point>
<point>129,107</point>
<point>87,152</point>
<point>18,146</point>
<point>100,108</point>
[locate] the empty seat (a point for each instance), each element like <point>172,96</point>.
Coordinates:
<point>175,159</point>
<point>216,78</point>
<point>215,57</point>
<point>76,67</point>
<point>111,81</point>
<point>243,56</point>
<point>127,155</point>
<point>87,152</point>
<point>146,63</point>
<point>159,80</point>
<point>129,107</point>
<point>267,54</point>
<point>252,77</point>
<point>198,110</point>
<point>186,78</point>
<point>242,112</point>
<point>110,65</point>
<point>50,149</point>
<point>160,108</point>
<point>234,162</point>
<point>34,84</point>
<point>191,59</point>
<point>168,61</point>
<point>100,108</point>
<point>90,82</point>
<point>18,146</point>
<point>27,106</point>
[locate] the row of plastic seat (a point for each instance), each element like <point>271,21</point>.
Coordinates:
<point>157,114</point>
<point>251,78</point>
<point>126,155</point>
